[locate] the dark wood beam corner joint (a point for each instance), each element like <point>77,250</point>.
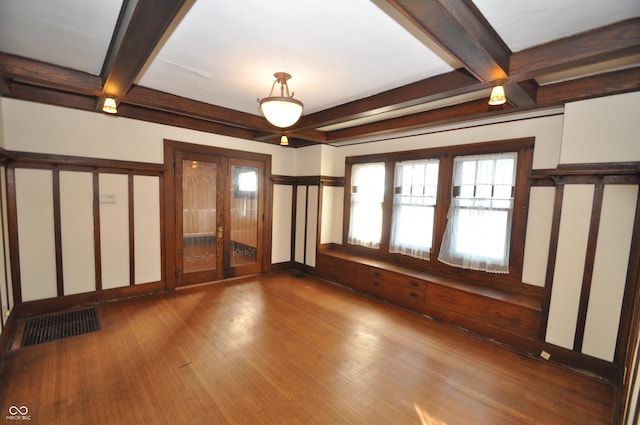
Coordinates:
<point>5,86</point>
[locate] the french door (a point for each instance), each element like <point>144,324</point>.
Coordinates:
<point>219,217</point>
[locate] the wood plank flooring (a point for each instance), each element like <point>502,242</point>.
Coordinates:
<point>285,349</point>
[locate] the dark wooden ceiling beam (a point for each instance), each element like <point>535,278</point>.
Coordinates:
<point>168,118</point>
<point>44,74</point>
<point>51,97</point>
<point>428,90</point>
<point>469,110</point>
<point>616,82</point>
<point>313,136</point>
<point>602,44</point>
<point>155,99</point>
<point>5,86</point>
<point>461,30</point>
<point>140,28</point>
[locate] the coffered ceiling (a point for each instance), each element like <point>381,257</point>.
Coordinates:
<point>364,69</point>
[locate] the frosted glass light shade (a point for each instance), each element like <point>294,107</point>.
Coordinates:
<point>497,96</point>
<point>109,106</point>
<point>281,111</point>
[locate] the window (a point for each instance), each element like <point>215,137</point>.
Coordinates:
<point>414,200</point>
<point>479,219</point>
<point>459,206</point>
<point>367,196</point>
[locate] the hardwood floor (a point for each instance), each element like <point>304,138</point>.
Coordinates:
<point>281,349</point>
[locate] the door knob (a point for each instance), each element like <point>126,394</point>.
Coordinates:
<point>220,232</point>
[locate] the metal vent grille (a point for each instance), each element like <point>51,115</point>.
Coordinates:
<point>58,326</point>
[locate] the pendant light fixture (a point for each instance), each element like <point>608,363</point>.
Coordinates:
<point>282,111</point>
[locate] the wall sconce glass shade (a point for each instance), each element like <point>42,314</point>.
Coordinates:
<point>282,111</point>
<point>497,96</point>
<point>284,141</point>
<point>109,106</point>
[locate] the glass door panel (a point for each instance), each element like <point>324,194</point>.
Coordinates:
<point>245,199</point>
<point>199,216</point>
<point>244,216</point>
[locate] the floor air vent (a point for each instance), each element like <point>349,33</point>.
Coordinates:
<point>59,326</point>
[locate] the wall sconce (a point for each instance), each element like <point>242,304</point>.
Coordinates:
<point>109,106</point>
<point>281,111</point>
<point>284,140</point>
<point>497,96</point>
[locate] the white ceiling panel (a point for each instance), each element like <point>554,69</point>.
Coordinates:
<point>225,53</point>
<point>525,23</point>
<point>70,33</point>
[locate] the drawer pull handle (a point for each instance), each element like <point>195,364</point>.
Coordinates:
<point>376,283</point>
<point>414,295</point>
<point>414,283</point>
<point>377,274</point>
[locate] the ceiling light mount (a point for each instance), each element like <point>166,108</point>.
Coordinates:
<point>282,111</point>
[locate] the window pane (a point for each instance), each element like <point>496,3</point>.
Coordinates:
<point>479,219</point>
<point>367,195</point>
<point>416,186</point>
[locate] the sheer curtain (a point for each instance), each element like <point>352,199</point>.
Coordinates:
<point>367,195</point>
<point>479,218</point>
<point>414,200</point>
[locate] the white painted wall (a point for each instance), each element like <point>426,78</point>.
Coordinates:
<point>1,126</point>
<point>610,270</point>
<point>33,127</point>
<point>6,287</point>
<point>114,230</point>
<point>281,237</point>
<point>76,219</point>
<point>146,229</point>
<point>332,212</point>
<point>34,204</point>
<point>606,129</point>
<point>570,260</point>
<point>312,225</point>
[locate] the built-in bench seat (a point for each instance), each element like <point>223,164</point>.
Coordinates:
<point>507,317</point>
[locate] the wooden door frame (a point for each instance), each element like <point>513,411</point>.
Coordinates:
<point>170,149</point>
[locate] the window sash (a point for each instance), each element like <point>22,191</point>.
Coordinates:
<point>478,231</point>
<point>414,200</point>
<point>367,197</point>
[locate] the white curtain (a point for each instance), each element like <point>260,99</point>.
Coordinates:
<point>367,195</point>
<point>414,199</point>
<point>479,219</point>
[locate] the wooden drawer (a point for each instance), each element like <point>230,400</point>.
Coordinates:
<point>392,286</point>
<point>399,280</point>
